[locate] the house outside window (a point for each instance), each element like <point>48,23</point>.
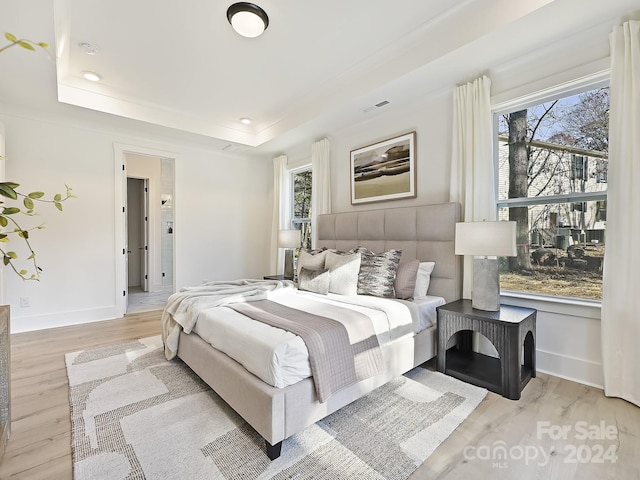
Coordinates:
<point>301,204</point>
<point>552,161</point>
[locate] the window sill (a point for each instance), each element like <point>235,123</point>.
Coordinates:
<point>560,305</point>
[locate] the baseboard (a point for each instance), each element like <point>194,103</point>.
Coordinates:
<point>570,368</point>
<point>62,319</point>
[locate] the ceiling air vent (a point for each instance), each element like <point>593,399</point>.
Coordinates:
<point>234,148</point>
<point>377,105</point>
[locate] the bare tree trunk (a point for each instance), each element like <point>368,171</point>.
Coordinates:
<point>519,187</point>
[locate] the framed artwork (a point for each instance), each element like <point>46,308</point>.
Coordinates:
<point>385,170</point>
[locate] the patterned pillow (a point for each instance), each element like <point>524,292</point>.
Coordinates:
<point>316,281</point>
<point>405,283</point>
<point>343,278</point>
<point>311,259</point>
<point>378,272</point>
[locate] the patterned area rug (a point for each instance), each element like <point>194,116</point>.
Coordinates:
<point>135,415</point>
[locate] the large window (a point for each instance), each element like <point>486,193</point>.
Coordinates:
<point>301,204</point>
<point>552,181</point>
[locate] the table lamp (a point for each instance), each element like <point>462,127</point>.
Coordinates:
<point>486,241</point>
<point>288,239</point>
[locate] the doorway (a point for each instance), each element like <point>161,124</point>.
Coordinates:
<point>146,186</point>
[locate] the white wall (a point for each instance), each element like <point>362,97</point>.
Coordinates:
<point>222,214</point>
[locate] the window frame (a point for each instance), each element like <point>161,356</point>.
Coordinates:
<point>575,87</point>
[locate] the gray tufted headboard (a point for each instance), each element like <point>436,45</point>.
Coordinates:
<point>425,232</point>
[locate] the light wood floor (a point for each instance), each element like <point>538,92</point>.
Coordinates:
<point>39,447</point>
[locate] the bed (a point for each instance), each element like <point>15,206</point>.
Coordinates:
<point>423,232</point>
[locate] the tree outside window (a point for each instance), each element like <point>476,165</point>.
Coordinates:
<point>552,181</point>
<point>301,204</point>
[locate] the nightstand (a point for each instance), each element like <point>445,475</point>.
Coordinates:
<point>511,330</point>
<point>273,277</point>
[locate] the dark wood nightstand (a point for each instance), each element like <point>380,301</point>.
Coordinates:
<point>509,330</point>
<point>273,277</point>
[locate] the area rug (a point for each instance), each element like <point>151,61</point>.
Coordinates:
<point>135,415</point>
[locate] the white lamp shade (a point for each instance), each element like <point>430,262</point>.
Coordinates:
<point>486,239</point>
<point>288,238</point>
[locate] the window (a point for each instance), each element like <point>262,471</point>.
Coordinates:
<point>552,181</point>
<point>301,204</point>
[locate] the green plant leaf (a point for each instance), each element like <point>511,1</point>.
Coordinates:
<point>36,195</point>
<point>28,203</point>
<point>23,272</point>
<point>43,44</point>
<point>3,221</point>
<point>58,205</point>
<point>6,260</point>
<point>57,197</point>
<point>13,185</point>
<point>23,234</point>
<point>8,191</point>
<point>10,210</point>
<point>10,36</point>
<point>12,255</point>
<point>26,45</point>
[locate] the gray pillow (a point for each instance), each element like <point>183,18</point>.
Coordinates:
<point>316,281</point>
<point>405,283</point>
<point>343,272</point>
<point>378,272</point>
<point>311,259</point>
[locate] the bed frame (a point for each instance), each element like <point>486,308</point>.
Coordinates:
<point>424,232</point>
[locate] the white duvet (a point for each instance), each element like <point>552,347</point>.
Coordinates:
<point>280,358</point>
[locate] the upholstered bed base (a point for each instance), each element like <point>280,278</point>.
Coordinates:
<point>426,233</point>
<point>278,413</point>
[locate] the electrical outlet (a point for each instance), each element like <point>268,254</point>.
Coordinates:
<point>25,302</point>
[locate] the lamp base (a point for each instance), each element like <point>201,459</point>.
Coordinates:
<point>486,284</point>
<point>288,263</point>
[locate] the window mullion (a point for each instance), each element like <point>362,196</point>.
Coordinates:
<point>553,199</point>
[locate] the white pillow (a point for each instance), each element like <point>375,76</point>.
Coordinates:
<point>423,279</point>
<point>343,270</point>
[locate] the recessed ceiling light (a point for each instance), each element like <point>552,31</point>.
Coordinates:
<point>245,120</point>
<point>88,48</point>
<point>247,19</point>
<point>91,76</point>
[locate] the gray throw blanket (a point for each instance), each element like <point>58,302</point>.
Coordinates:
<point>335,361</point>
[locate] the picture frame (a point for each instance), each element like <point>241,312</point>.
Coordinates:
<point>385,170</point>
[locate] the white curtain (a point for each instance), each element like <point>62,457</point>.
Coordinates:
<point>321,184</point>
<point>279,222</point>
<point>472,163</point>
<point>620,315</point>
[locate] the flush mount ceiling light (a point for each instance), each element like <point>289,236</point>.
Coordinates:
<point>247,19</point>
<point>245,120</point>
<point>92,76</point>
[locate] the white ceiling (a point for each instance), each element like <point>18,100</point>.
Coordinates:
<point>319,65</point>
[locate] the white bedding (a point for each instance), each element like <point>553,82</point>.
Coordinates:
<point>280,358</point>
